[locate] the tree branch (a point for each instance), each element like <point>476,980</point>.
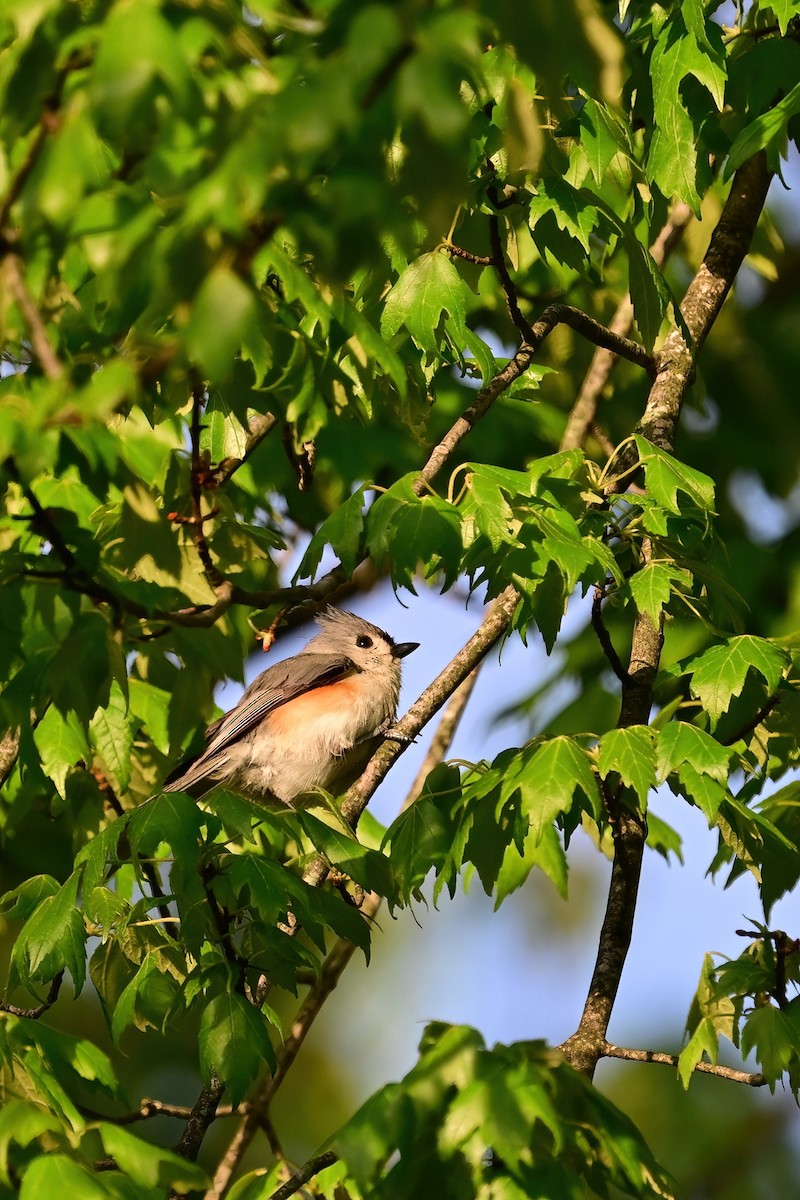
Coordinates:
<point>480,260</point>
<point>41,345</point>
<point>306,1172</point>
<point>584,411</point>
<point>153,1108</point>
<point>676,363</point>
<point>604,637</point>
<point>521,324</point>
<point>33,1014</point>
<point>9,753</point>
<point>259,425</point>
<point>202,1115</point>
<point>493,627</point>
<point>751,1078</point>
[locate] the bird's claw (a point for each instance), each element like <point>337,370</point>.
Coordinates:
<point>392,735</point>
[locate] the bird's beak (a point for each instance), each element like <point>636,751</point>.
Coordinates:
<point>401,649</point>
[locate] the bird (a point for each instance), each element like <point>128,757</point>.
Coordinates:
<point>312,721</point>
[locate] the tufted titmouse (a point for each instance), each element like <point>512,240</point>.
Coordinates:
<point>310,721</point>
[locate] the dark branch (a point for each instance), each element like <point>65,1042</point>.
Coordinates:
<point>40,343</point>
<point>259,425</point>
<point>521,323</point>
<point>754,722</point>
<point>481,260</point>
<point>33,1014</point>
<point>306,1172</point>
<point>676,365</point>
<point>604,637</point>
<point>202,1115</point>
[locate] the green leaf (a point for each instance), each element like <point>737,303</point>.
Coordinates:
<point>58,1175</point>
<point>719,674</point>
<point>703,1042</point>
<point>111,736</point>
<point>21,901</point>
<point>767,132</point>
<point>784,11</point>
<point>21,1122</point>
<point>234,1043</point>
<point>418,841</point>
<point>62,745</point>
<point>601,138</point>
<point>652,587</point>
<point>483,356</point>
<point>343,850</point>
<point>150,705</point>
<point>679,742</point>
<point>222,317</point>
<point>138,54</point>
<point>407,531</point>
<point>650,294</point>
<point>147,1165</point>
<point>672,159</point>
<point>774,1035</point>
<point>52,939</point>
<point>429,288</point>
<point>342,531</point>
<point>665,476</point>
<point>573,212</point>
<point>548,777</point>
<point>540,848</point>
<point>630,754</point>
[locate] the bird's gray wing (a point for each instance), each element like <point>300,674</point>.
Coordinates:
<point>274,687</point>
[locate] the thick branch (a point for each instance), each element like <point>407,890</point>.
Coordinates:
<point>202,1115</point>
<point>704,298</point>
<point>9,753</point>
<point>676,363</point>
<point>751,1078</point>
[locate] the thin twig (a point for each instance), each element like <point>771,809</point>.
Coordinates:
<point>306,1172</point>
<point>604,638</point>
<point>751,1078</point>
<point>33,1014</point>
<point>259,425</point>
<point>41,345</point>
<point>521,323</point>
<point>754,722</point>
<point>480,260</point>
<point>154,1108</point>
<point>214,576</point>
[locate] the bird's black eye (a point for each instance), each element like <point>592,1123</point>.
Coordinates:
<point>364,642</point>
